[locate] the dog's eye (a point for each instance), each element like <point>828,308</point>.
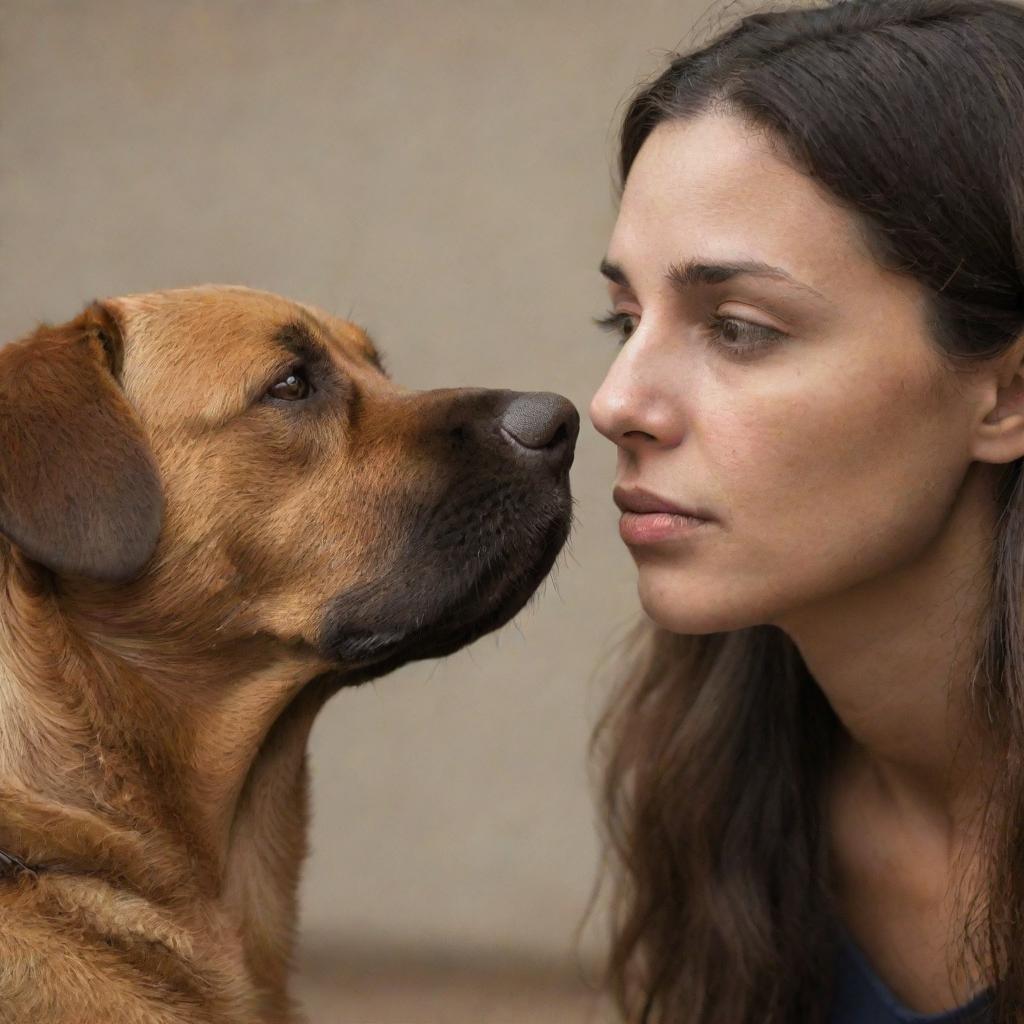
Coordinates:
<point>291,388</point>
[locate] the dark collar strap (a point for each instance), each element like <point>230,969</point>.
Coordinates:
<point>11,866</point>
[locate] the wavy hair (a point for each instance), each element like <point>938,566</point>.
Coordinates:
<point>714,748</point>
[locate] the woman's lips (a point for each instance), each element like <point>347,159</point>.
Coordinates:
<point>651,527</point>
<point>648,518</point>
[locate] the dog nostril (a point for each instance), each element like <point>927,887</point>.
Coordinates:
<point>541,421</point>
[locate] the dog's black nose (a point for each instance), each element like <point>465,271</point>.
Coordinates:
<point>542,422</point>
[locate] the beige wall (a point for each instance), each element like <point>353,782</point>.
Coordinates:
<point>440,171</point>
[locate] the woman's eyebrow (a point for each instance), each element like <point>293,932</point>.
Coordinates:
<point>695,272</point>
<point>614,273</point>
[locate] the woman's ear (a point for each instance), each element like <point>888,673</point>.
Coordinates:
<point>80,491</point>
<point>999,434</point>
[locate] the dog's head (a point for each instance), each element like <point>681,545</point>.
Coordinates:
<point>239,465</point>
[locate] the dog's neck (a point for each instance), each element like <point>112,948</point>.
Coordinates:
<point>167,770</point>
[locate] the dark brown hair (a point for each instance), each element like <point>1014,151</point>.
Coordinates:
<point>715,748</point>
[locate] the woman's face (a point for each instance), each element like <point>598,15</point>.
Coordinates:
<point>805,411</point>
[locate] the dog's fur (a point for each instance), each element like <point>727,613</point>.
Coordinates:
<point>190,564</point>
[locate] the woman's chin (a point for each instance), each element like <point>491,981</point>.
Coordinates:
<point>690,609</point>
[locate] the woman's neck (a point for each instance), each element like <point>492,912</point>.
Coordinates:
<point>895,657</point>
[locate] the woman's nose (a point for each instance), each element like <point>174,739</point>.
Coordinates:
<point>631,410</point>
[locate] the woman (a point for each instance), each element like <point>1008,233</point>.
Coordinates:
<point>815,774</point>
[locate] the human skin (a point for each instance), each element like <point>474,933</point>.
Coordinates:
<point>849,471</point>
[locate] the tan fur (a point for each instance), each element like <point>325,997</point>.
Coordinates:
<point>152,752</point>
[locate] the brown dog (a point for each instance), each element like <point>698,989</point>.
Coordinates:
<point>215,511</point>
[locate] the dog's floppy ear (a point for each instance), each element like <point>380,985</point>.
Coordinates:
<point>79,489</point>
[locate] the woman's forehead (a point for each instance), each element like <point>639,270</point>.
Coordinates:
<point>714,187</point>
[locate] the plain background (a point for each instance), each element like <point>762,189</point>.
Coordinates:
<point>442,173</point>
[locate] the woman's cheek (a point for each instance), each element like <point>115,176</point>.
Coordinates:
<point>821,483</point>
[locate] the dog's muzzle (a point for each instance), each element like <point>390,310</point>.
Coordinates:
<point>477,544</point>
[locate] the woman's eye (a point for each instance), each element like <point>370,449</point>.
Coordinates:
<point>740,338</point>
<point>735,337</point>
<point>292,388</point>
<point>622,324</point>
